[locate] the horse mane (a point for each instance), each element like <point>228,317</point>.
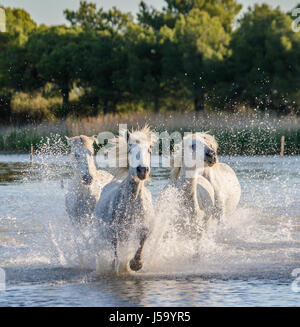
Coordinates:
<point>209,140</point>
<point>121,143</point>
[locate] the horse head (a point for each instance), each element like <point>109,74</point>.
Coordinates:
<point>197,151</point>
<point>83,152</point>
<point>134,149</point>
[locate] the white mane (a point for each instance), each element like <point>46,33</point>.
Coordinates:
<point>123,141</point>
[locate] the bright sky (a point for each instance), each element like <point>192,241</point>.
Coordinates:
<point>50,12</point>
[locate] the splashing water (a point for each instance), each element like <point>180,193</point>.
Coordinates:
<point>260,240</point>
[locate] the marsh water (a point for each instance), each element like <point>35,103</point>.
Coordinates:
<point>247,260</point>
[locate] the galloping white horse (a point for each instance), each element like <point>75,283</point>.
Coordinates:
<point>214,189</point>
<point>127,206</point>
<point>224,182</point>
<point>87,183</point>
<point>197,193</point>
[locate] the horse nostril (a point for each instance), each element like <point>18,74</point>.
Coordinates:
<point>142,172</point>
<point>211,156</point>
<point>141,169</point>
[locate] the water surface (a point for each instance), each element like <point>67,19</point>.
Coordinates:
<point>245,261</point>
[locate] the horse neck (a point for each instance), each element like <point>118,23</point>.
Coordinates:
<point>188,179</point>
<point>188,186</point>
<point>93,171</point>
<point>133,188</point>
<point>209,172</point>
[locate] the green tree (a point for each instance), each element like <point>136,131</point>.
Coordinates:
<point>90,18</point>
<point>266,59</point>
<point>103,72</point>
<point>172,68</point>
<point>19,25</point>
<point>87,16</point>
<point>151,17</point>
<point>202,42</point>
<point>225,10</point>
<point>52,53</point>
<point>115,20</point>
<point>14,74</point>
<point>145,65</point>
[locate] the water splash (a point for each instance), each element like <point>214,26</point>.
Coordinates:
<point>263,235</point>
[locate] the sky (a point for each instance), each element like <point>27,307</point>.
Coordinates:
<point>50,12</point>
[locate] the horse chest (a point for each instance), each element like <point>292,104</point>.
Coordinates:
<point>128,212</point>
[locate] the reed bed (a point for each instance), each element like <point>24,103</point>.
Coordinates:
<point>238,134</point>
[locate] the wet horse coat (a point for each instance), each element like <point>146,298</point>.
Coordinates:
<point>87,184</point>
<point>126,206</point>
<point>212,188</point>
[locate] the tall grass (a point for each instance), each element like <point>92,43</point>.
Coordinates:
<point>236,133</point>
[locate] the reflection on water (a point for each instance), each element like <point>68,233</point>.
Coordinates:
<point>247,260</point>
<point>61,287</point>
<point>11,172</point>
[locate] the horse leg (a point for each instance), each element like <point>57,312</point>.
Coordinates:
<point>115,245</point>
<point>136,263</point>
<point>219,208</point>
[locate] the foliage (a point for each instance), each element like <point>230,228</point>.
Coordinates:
<point>202,45</point>
<point>19,25</point>
<point>89,18</point>
<point>225,10</point>
<point>266,59</point>
<point>185,56</point>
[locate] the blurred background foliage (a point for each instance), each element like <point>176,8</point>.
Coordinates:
<point>192,55</point>
<point>193,65</point>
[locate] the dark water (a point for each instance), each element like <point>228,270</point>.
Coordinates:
<point>247,261</point>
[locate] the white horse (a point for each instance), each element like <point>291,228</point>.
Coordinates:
<point>126,206</point>
<point>87,184</point>
<point>218,189</point>
<point>224,182</point>
<point>197,193</point>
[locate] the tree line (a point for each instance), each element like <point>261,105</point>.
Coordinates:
<point>192,53</point>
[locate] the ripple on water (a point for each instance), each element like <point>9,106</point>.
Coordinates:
<point>247,260</point>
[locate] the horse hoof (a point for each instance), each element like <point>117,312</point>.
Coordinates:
<point>135,265</point>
